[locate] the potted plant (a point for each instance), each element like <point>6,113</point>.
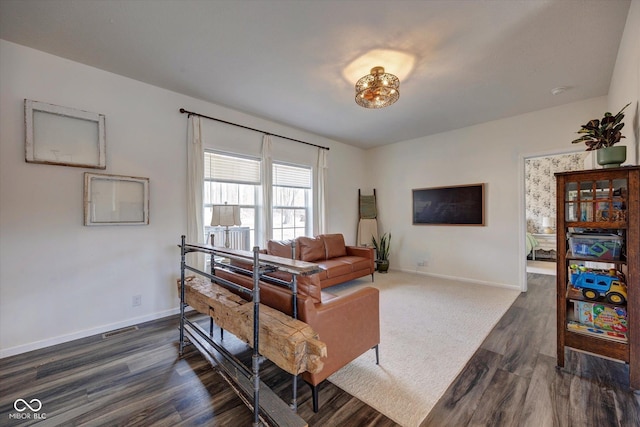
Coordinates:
<point>382,252</point>
<point>602,135</point>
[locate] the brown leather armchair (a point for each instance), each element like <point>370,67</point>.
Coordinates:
<point>348,324</point>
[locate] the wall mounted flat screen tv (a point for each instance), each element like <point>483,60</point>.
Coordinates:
<point>456,205</point>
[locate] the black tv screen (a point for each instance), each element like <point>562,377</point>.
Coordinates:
<point>456,205</point>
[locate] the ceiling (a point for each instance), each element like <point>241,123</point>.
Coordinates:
<point>284,61</point>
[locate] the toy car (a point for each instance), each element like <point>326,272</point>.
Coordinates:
<point>595,285</point>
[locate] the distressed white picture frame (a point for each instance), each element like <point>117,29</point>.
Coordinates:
<point>115,200</point>
<point>64,136</point>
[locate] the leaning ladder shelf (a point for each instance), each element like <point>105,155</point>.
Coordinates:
<point>270,410</point>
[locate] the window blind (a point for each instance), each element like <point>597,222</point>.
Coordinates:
<point>291,176</point>
<point>231,169</point>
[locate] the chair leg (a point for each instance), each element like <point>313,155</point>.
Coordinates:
<point>377,354</point>
<point>314,397</point>
<point>372,278</point>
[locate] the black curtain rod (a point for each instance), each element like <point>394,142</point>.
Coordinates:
<point>191,113</point>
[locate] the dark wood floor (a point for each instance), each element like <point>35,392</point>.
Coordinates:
<point>136,378</point>
<point>512,379</point>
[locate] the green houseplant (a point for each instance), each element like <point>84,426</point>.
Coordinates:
<point>382,251</point>
<point>601,135</point>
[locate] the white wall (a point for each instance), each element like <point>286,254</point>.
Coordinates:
<point>60,280</point>
<point>625,83</point>
<point>489,153</point>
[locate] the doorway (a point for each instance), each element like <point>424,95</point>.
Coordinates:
<point>540,207</point>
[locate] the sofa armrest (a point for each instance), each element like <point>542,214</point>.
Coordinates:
<point>360,251</point>
<point>356,311</point>
<point>368,253</point>
<point>349,325</point>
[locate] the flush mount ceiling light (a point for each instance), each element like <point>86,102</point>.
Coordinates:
<point>378,89</point>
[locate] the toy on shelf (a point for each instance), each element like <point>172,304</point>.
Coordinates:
<point>599,283</point>
<point>617,215</point>
<point>587,330</point>
<point>619,212</point>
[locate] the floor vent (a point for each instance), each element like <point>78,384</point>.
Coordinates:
<point>119,331</point>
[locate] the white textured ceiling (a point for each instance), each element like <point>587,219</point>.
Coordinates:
<point>476,60</point>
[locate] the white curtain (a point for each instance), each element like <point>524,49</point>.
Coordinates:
<point>266,215</point>
<point>321,185</point>
<point>195,183</point>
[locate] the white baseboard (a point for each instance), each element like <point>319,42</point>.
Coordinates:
<point>24,348</point>
<point>12,351</point>
<point>463,279</point>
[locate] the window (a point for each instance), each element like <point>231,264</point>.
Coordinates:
<point>291,201</point>
<point>234,180</point>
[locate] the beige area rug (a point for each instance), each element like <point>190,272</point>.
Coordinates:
<point>429,328</point>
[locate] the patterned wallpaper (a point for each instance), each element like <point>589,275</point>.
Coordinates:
<point>540,186</point>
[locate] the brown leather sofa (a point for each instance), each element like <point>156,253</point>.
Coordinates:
<point>338,262</point>
<point>348,324</point>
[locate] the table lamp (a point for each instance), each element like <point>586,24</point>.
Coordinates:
<point>546,225</point>
<point>225,216</point>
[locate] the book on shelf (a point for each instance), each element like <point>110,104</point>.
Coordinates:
<point>601,316</point>
<point>592,331</point>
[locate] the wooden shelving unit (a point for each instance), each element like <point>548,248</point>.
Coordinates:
<point>600,201</point>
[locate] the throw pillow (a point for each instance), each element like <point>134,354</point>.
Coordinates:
<point>280,248</point>
<point>334,245</point>
<point>311,249</point>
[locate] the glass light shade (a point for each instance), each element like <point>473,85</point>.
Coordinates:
<point>378,89</point>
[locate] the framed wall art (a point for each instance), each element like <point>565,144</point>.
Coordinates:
<point>64,136</point>
<point>115,200</point>
<point>456,205</point>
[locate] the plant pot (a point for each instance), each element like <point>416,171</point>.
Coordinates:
<point>383,265</point>
<point>612,157</point>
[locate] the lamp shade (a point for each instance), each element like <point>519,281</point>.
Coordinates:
<point>546,221</point>
<point>225,215</point>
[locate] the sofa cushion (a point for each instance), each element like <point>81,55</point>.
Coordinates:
<point>311,249</point>
<point>357,263</point>
<point>334,245</point>
<point>335,267</point>
<point>281,248</point>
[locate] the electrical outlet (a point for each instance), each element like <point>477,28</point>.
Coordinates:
<point>420,263</point>
<point>136,301</point>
